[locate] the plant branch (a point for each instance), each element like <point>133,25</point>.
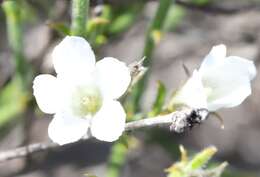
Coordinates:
<point>79,17</point>
<point>14,22</point>
<point>150,43</point>
<point>178,121</point>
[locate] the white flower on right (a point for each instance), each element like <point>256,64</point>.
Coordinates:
<point>220,82</point>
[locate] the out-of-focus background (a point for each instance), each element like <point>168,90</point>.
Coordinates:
<point>187,35</point>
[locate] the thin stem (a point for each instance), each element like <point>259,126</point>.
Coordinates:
<point>15,33</point>
<point>79,17</point>
<point>150,43</point>
<point>181,120</point>
<point>117,157</point>
<point>17,91</point>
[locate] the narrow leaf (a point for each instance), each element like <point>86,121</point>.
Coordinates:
<point>159,100</point>
<point>201,158</point>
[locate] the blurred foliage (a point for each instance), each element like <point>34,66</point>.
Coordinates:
<point>13,101</point>
<point>15,12</point>
<point>109,22</point>
<point>159,100</point>
<point>201,2</point>
<point>156,24</point>
<point>165,139</point>
<point>117,157</point>
<point>123,18</point>
<point>14,28</point>
<point>16,93</point>
<point>169,142</point>
<point>175,16</point>
<point>28,13</point>
<point>119,153</point>
<point>195,167</point>
<point>60,27</point>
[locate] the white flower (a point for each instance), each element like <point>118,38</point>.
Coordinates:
<point>83,95</point>
<point>220,82</point>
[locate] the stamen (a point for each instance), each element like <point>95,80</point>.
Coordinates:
<point>87,101</point>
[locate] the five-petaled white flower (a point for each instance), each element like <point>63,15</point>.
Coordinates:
<point>83,95</point>
<point>220,82</point>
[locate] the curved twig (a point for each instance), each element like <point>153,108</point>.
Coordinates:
<point>178,121</point>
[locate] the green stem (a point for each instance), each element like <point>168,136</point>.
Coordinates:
<point>14,29</point>
<point>16,94</point>
<point>117,157</point>
<point>13,14</point>
<point>150,44</point>
<point>79,17</point>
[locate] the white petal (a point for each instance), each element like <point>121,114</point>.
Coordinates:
<point>192,94</point>
<point>65,128</point>
<point>113,77</point>
<point>229,82</point>
<point>234,98</point>
<point>73,55</point>
<point>215,56</point>
<point>109,123</point>
<point>45,90</point>
<point>243,65</point>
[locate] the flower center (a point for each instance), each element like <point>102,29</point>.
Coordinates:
<point>208,91</point>
<point>209,88</point>
<point>87,101</point>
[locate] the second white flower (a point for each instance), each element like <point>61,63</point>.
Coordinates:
<point>220,82</point>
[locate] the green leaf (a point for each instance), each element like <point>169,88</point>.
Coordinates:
<point>159,100</point>
<point>174,17</point>
<point>200,159</point>
<point>175,174</point>
<point>196,166</point>
<point>122,22</point>
<point>100,39</point>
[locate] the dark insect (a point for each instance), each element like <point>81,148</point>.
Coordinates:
<point>197,116</point>
<point>188,118</point>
